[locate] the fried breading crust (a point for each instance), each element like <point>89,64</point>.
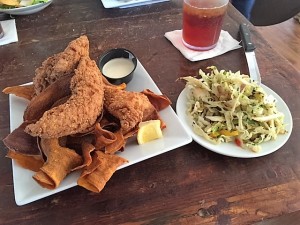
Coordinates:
<point>60,64</point>
<point>81,109</point>
<point>129,107</point>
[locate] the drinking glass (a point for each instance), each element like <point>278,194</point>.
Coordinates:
<point>202,23</point>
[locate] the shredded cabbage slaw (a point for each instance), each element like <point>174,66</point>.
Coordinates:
<point>224,106</point>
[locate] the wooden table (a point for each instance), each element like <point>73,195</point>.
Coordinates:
<point>189,185</point>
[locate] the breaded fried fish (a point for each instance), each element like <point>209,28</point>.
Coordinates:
<point>80,111</point>
<point>129,107</point>
<point>60,64</point>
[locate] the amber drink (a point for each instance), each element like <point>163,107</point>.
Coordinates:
<point>202,23</point>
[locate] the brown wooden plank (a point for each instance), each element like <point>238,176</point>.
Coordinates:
<point>286,41</point>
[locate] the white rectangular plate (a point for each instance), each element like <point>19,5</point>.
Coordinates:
<point>174,136</point>
<point>128,3</point>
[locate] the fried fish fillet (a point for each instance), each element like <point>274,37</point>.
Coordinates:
<point>60,64</point>
<point>80,111</point>
<point>130,108</point>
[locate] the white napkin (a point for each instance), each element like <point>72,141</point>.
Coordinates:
<point>225,44</point>
<point>10,32</point>
<point>143,3</point>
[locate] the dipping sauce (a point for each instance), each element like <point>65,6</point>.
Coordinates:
<point>118,68</point>
<point>1,31</point>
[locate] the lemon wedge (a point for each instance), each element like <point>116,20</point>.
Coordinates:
<point>149,131</point>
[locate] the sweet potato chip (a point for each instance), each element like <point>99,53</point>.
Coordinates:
<point>117,145</point>
<point>103,137</point>
<point>109,122</point>
<point>87,150</point>
<point>60,162</point>
<point>105,166</point>
<point>93,165</point>
<point>21,142</point>
<point>75,142</point>
<point>109,141</point>
<point>44,180</point>
<point>30,162</point>
<point>158,101</point>
<point>44,101</point>
<point>25,91</point>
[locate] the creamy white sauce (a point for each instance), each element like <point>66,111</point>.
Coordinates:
<point>118,67</point>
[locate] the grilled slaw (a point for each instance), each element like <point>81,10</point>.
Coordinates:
<point>224,106</point>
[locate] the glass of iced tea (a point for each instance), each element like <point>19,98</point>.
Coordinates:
<point>202,23</point>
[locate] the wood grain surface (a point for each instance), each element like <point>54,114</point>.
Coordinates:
<point>189,185</point>
<point>286,41</point>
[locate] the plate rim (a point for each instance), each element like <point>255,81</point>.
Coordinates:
<point>214,147</point>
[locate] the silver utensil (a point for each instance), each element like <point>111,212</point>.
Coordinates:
<point>250,54</point>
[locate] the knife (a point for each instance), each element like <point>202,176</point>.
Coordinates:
<point>249,52</point>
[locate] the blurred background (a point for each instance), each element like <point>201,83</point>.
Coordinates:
<point>281,16</point>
